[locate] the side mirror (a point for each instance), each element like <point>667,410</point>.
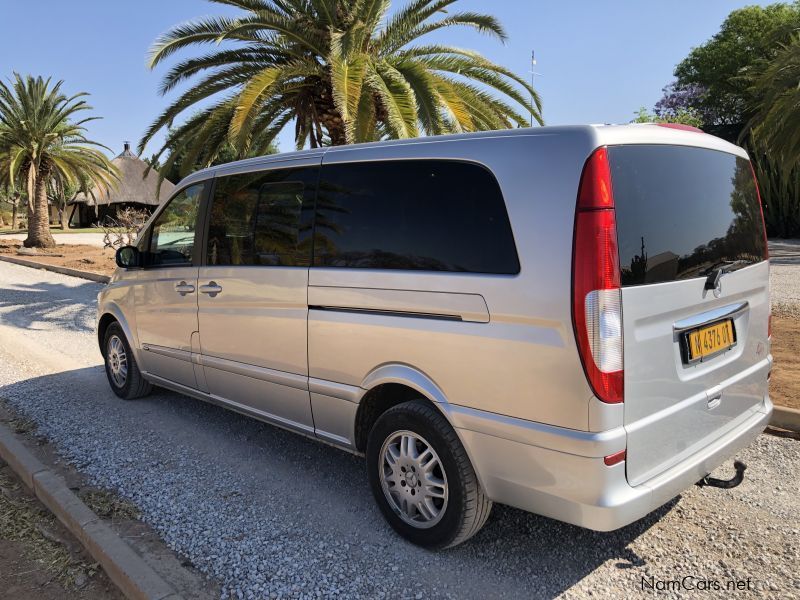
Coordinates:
<point>128,257</point>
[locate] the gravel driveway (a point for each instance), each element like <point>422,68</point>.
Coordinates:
<point>271,514</point>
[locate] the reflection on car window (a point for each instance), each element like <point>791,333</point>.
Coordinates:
<point>172,238</point>
<point>262,219</point>
<point>682,211</point>
<point>426,215</point>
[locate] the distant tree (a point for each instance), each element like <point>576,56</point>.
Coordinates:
<point>10,201</point>
<point>42,145</point>
<point>677,99</point>
<point>684,116</point>
<point>776,85</point>
<point>742,83</point>
<point>62,192</point>
<point>716,75</point>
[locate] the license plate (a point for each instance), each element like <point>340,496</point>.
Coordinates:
<point>711,340</point>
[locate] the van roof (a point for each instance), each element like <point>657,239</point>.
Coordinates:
<point>602,134</point>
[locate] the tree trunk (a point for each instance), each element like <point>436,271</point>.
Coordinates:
<point>39,222</point>
<point>329,116</point>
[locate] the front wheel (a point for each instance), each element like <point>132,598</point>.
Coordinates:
<point>422,479</point>
<point>121,369</point>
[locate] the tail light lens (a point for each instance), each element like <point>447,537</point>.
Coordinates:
<point>766,244</point>
<point>761,208</point>
<point>596,296</point>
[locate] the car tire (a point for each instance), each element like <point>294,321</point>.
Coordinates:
<point>123,373</point>
<point>409,490</point>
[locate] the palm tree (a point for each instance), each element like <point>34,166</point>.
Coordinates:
<point>341,70</point>
<point>43,147</point>
<point>776,125</point>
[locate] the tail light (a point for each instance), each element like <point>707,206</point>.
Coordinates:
<point>766,244</point>
<point>761,208</point>
<point>596,296</point>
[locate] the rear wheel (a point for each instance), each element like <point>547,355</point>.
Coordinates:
<point>121,369</point>
<point>422,479</point>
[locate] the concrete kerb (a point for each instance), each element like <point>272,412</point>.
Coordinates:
<point>57,269</point>
<point>129,572</point>
<point>786,418</point>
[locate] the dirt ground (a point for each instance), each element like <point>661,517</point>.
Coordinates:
<point>40,559</point>
<point>74,256</point>
<point>785,382</point>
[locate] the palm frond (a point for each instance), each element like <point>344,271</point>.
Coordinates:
<point>341,70</point>
<point>203,31</point>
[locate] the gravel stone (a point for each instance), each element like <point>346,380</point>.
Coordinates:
<point>270,514</point>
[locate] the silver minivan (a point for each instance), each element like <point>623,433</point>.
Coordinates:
<point>570,320</point>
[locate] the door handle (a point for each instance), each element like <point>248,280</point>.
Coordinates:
<point>184,288</point>
<point>211,288</point>
<point>714,401</point>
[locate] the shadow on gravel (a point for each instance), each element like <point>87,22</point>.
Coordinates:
<point>217,484</point>
<point>66,307</point>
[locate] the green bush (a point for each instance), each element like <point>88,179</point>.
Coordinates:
<point>780,194</point>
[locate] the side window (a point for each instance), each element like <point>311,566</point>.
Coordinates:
<point>172,233</point>
<point>428,215</point>
<point>262,219</point>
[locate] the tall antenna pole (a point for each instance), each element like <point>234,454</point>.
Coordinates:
<point>533,78</point>
<point>533,81</point>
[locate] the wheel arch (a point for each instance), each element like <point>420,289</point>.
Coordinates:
<point>391,384</point>
<point>112,313</point>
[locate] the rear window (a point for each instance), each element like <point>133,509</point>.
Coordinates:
<point>427,215</point>
<point>682,211</point>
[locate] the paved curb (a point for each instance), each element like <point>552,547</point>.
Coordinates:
<point>134,577</point>
<point>785,418</point>
<point>57,269</point>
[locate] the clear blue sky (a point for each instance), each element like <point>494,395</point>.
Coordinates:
<point>600,61</point>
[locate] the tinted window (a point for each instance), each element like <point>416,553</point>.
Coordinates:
<point>172,234</point>
<point>415,215</point>
<point>262,219</point>
<point>681,211</point>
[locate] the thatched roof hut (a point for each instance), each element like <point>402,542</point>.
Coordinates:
<point>133,189</point>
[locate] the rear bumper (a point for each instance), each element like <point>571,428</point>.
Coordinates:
<point>560,473</point>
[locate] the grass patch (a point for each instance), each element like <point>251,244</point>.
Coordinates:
<point>23,520</point>
<point>108,505</point>
<point>22,425</point>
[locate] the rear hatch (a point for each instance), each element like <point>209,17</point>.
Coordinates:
<point>695,299</point>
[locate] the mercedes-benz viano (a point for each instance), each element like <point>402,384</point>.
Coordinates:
<point>570,320</point>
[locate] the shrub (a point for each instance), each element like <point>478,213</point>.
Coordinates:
<point>122,230</point>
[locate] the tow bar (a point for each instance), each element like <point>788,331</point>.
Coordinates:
<point>725,484</point>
